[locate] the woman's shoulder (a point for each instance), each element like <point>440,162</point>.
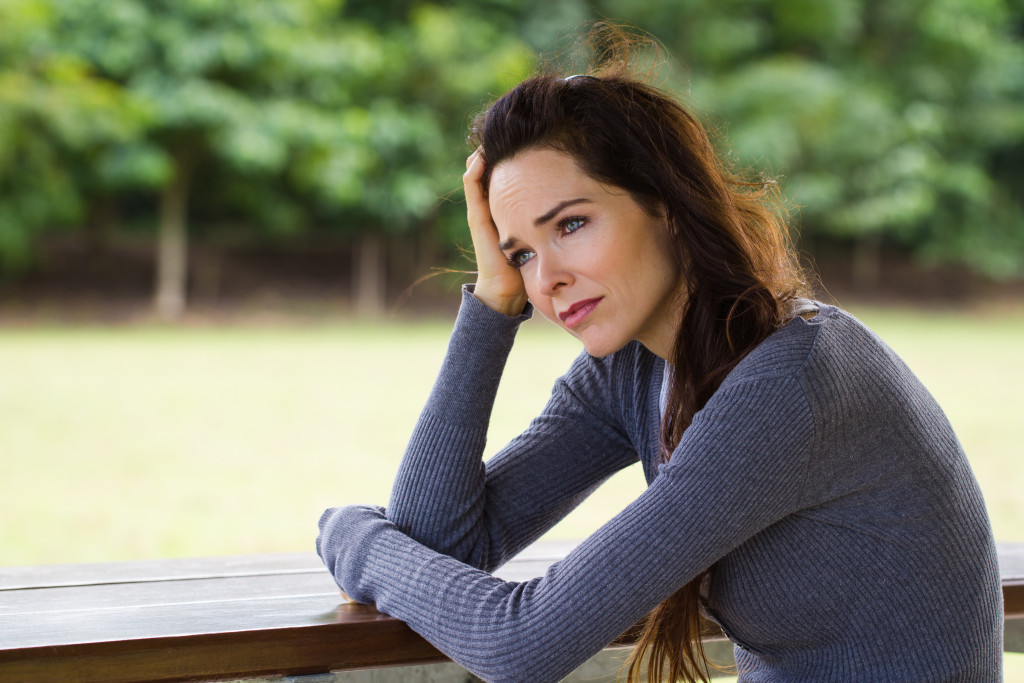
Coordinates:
<point>787,350</point>
<point>816,334</point>
<point>821,343</point>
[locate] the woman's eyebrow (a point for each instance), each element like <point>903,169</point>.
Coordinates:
<point>512,241</point>
<point>558,207</point>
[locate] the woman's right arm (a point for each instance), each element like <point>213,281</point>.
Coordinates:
<point>444,495</point>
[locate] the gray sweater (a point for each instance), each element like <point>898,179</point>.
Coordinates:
<point>823,483</point>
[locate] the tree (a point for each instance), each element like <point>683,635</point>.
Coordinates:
<point>321,119</point>
<point>441,64</point>
<point>293,116</point>
<point>896,121</point>
<point>239,92</point>
<point>52,109</point>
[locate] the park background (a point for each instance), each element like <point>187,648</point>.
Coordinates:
<point>226,231</point>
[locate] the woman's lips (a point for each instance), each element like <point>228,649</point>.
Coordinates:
<point>576,313</point>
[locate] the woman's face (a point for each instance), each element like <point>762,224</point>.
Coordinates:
<point>593,261</point>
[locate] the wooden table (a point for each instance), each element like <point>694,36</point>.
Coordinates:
<point>236,617</point>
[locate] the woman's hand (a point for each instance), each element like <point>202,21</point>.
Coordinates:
<point>498,285</point>
<point>345,536</point>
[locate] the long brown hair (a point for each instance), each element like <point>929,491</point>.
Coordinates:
<point>729,243</point>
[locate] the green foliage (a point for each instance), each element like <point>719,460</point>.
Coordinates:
<point>901,120</point>
<point>287,115</point>
<point>241,94</point>
<point>52,110</point>
<point>904,119</point>
<point>445,64</point>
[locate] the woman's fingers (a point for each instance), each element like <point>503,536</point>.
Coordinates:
<point>498,285</point>
<point>476,153</point>
<point>489,259</point>
<point>478,213</point>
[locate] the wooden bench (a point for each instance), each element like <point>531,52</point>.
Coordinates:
<point>236,617</point>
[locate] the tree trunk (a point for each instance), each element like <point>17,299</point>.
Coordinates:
<point>172,247</point>
<point>369,282</point>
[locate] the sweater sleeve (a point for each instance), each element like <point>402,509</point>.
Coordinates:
<point>738,469</point>
<point>445,497</point>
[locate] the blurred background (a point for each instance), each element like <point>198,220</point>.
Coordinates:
<point>215,218</point>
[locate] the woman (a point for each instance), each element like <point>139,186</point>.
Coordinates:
<point>805,491</point>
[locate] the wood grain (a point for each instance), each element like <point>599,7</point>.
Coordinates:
<point>233,617</point>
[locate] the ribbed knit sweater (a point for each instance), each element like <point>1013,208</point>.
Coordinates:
<point>822,482</point>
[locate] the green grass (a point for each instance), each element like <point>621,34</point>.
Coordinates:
<point>155,442</point>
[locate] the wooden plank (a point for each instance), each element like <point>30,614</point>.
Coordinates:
<point>235,617</point>
<point>350,644</point>
<point>1011,570</point>
<point>1013,599</point>
<point>19,578</point>
<point>539,555</point>
<point>95,612</point>
<point>166,621</point>
<point>72,626</point>
<point>1011,560</point>
<point>141,594</point>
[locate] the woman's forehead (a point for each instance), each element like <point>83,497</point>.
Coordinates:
<point>536,166</point>
<point>535,179</point>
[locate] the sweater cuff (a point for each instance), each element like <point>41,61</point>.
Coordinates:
<point>475,307</point>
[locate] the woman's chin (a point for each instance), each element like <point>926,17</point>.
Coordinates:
<point>594,343</point>
<point>598,347</point>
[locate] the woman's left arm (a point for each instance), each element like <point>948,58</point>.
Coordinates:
<point>736,471</point>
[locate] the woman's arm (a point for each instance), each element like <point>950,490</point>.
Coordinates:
<point>445,497</point>
<point>738,469</point>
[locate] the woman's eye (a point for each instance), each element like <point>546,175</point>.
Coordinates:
<point>571,224</point>
<point>519,258</point>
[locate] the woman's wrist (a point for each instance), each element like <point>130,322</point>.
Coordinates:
<point>511,305</point>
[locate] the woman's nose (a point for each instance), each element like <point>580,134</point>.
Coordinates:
<point>552,274</point>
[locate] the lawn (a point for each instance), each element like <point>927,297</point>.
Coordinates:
<point>146,441</point>
<point>157,442</point>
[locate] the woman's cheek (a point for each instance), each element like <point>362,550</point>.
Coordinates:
<point>544,305</point>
